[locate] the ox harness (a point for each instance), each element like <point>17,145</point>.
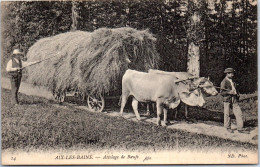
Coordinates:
<point>193,86</point>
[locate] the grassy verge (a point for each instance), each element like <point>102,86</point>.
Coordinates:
<point>39,124</point>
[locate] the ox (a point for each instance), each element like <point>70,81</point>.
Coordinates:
<point>184,79</point>
<point>146,87</point>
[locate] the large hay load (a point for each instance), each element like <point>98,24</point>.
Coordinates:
<point>91,62</point>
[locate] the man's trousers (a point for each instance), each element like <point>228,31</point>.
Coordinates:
<point>15,84</point>
<point>237,112</point>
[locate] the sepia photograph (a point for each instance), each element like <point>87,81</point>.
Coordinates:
<point>129,82</point>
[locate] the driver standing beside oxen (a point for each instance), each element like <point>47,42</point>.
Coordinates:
<point>14,69</point>
<point>231,95</point>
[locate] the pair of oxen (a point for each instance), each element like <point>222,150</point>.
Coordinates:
<point>166,89</point>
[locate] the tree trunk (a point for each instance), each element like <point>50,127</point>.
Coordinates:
<point>193,63</point>
<point>74,17</point>
<point>194,37</point>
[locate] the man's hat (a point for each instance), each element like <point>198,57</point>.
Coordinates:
<point>17,51</point>
<point>229,70</point>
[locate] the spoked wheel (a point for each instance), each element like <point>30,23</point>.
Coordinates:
<point>96,102</point>
<point>59,96</point>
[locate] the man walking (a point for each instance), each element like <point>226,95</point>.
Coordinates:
<point>14,69</point>
<point>231,95</point>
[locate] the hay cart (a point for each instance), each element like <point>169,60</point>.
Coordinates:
<point>90,65</point>
<point>95,102</point>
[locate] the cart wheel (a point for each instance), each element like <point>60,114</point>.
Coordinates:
<point>59,96</point>
<point>96,102</point>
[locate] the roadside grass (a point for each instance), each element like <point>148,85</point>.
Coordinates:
<point>38,124</point>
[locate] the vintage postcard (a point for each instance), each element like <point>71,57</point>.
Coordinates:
<point>122,82</point>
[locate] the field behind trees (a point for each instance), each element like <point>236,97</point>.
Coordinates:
<point>226,33</point>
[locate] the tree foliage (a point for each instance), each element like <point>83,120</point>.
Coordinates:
<point>227,35</point>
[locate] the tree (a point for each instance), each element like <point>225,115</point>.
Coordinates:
<point>195,35</point>
<point>74,16</point>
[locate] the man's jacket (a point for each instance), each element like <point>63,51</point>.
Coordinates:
<point>226,84</point>
<point>16,65</point>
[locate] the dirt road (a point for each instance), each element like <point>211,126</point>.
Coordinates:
<point>198,127</point>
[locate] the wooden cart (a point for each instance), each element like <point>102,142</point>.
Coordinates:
<point>95,102</point>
